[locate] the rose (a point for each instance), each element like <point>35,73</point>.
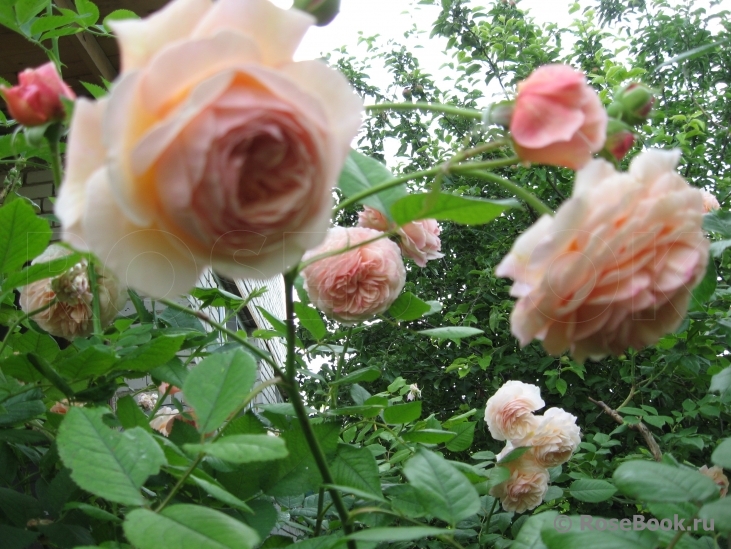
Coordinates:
<point>68,298</point>
<point>710,202</point>
<point>555,438</point>
<point>524,490</point>
<point>558,118</point>
<point>419,240</point>
<point>37,98</point>
<point>616,265</point>
<point>715,473</point>
<point>212,148</point>
<point>358,284</point>
<point>509,412</point>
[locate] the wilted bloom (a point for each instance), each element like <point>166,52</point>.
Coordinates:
<point>71,314</point>
<point>37,97</point>
<point>616,265</point>
<point>558,118</point>
<point>213,147</point>
<point>358,284</point>
<point>509,412</point>
<point>414,392</point>
<point>555,438</point>
<point>147,401</point>
<point>710,202</point>
<point>524,490</point>
<point>62,407</point>
<point>715,473</point>
<point>419,240</point>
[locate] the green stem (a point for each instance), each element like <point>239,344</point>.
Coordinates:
<point>434,107</point>
<point>338,370</point>
<point>20,319</point>
<point>180,482</point>
<point>489,515</point>
<point>53,136</point>
<point>320,511</point>
<point>96,315</point>
<point>296,400</point>
<point>524,194</point>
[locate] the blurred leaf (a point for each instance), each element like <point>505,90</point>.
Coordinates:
<point>402,413</point>
<point>23,235</point>
<point>448,207</point>
<point>408,307</point>
<point>243,448</point>
<point>648,481</point>
<point>592,490</point>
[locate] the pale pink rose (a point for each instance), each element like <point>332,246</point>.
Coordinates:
<point>558,118</point>
<point>414,392</point>
<point>509,412</point>
<point>358,284</point>
<point>72,314</point>
<point>213,147</point>
<point>37,97</point>
<point>555,438</point>
<point>715,473</point>
<point>616,265</point>
<point>166,417</point>
<point>524,490</point>
<point>419,240</point>
<point>710,202</point>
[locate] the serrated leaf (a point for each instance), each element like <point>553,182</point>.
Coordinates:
<point>310,318</point>
<point>187,527</point>
<point>105,462</point>
<point>130,415</point>
<point>648,481</point>
<point>361,173</point>
<point>363,374</point>
<point>465,436</point>
<point>151,355</point>
<point>402,413</point>
<point>448,207</point>
<point>429,436</point>
<point>357,468</point>
<point>243,448</point>
<point>592,490</point>
<point>408,307</point>
<point>217,386</point>
<point>92,361</point>
<point>23,235</point>
<point>173,372</point>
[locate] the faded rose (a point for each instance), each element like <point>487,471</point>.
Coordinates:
<point>509,412</point>
<point>616,265</point>
<point>555,438</point>
<point>70,315</point>
<point>358,284</point>
<point>37,97</point>
<point>524,490</point>
<point>710,202</point>
<point>558,118</point>
<point>419,240</point>
<point>715,473</point>
<point>213,147</point>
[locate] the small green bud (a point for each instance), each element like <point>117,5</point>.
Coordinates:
<point>632,104</point>
<point>323,10</point>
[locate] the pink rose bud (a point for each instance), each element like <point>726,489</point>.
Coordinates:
<point>710,202</point>
<point>632,104</point>
<point>558,118</point>
<point>323,10</point>
<point>37,98</point>
<point>355,285</point>
<point>619,139</point>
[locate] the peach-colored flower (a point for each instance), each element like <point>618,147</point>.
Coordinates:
<point>37,97</point>
<point>71,315</point>
<point>509,412</point>
<point>558,118</point>
<point>419,240</point>
<point>358,284</point>
<point>166,417</point>
<point>212,148</point>
<point>616,265</point>
<point>524,490</point>
<point>555,438</point>
<point>715,473</point>
<point>710,202</point>
<point>164,387</point>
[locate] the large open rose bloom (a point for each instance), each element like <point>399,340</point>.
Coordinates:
<point>213,147</point>
<point>558,118</point>
<point>616,265</point>
<point>358,284</point>
<point>509,412</point>
<point>524,490</point>
<point>555,438</point>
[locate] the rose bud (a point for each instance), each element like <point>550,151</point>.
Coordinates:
<point>323,10</point>
<point>37,98</point>
<point>619,139</point>
<point>632,104</point>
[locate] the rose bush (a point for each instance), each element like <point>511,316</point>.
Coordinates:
<point>230,162</point>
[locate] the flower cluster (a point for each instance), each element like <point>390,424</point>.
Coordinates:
<point>552,438</point>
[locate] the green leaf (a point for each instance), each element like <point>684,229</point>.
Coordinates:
<point>718,221</point>
<point>592,490</point>
<point>151,355</point>
<point>173,373</point>
<point>408,307</point>
<point>448,207</point>
<point>529,536</point>
<point>19,508</point>
<point>217,386</point>
<point>105,462</point>
<point>23,235</point>
<point>451,332</point>
<point>92,361</point>
<point>364,374</point>
<point>719,512</point>
<point>130,415</point>
<point>648,481</point>
<point>402,413</point>
<point>402,533</point>
<point>594,537</point>
<point>356,468</point>
<point>118,15</point>
<point>703,292</point>
<point>721,382</point>
<point>243,448</point>
<point>21,408</point>
<point>40,271</point>
<point>361,173</point>
<point>514,455</point>
<point>429,436</point>
<point>50,22</point>
<point>27,9</point>
<point>88,11</point>
<point>465,436</point>
<point>187,527</point>
<point>310,318</point>
<point>92,511</point>
<point>447,493</point>
<point>722,454</point>
<point>16,538</point>
<point>214,489</point>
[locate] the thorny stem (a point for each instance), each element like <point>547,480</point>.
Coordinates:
<point>418,106</point>
<point>296,400</point>
<point>96,317</point>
